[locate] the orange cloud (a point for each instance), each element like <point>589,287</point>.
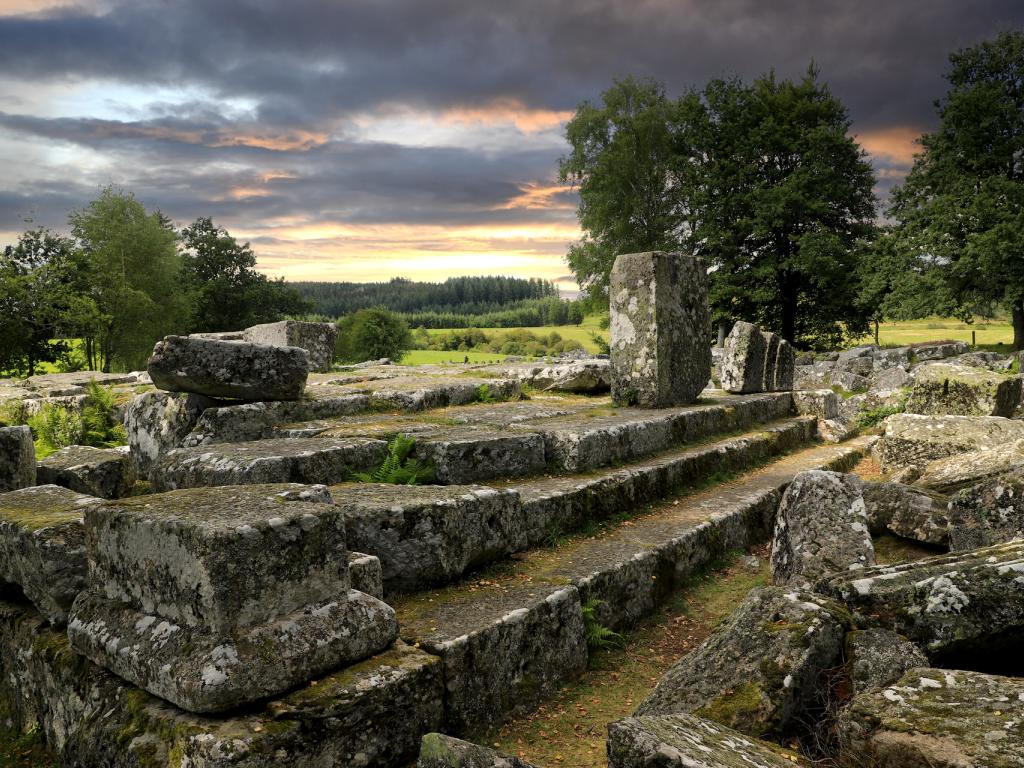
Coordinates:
<point>511,111</point>
<point>538,196</point>
<point>895,145</point>
<point>286,142</point>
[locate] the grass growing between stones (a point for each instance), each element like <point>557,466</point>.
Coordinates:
<point>570,729</point>
<point>18,750</point>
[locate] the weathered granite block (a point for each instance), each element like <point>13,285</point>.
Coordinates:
<point>157,422</point>
<point>428,535</point>
<point>820,403</point>
<point>660,329</point>
<point>366,574</point>
<point>957,390</point>
<point>968,602</point>
<point>316,338</point>
<point>257,421</point>
<point>42,545</point>
<point>923,352</point>
<point>937,718</point>
<point>877,657</point>
<point>99,472</point>
<point>914,439</point>
<point>440,751</point>
<point>966,469</point>
<point>771,353</point>
<point>17,458</point>
<point>231,369</point>
<point>991,512</point>
<point>821,527</point>
<point>785,366</point>
<point>673,741</point>
<point>281,460</point>
<point>462,456</point>
<point>743,363</point>
<point>908,512</point>
<point>761,667</point>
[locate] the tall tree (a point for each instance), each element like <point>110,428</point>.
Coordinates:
<point>961,209</point>
<point>762,180</point>
<point>134,274</point>
<point>227,292</point>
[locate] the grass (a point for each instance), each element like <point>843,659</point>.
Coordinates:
<point>570,729</point>
<point>24,751</point>
<point>993,335</point>
<point>441,357</point>
<point>580,333</point>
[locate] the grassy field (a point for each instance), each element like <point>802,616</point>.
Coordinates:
<point>989,333</point>
<point>580,333</point>
<point>439,356</point>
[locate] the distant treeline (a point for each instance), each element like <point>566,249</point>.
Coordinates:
<point>461,295</point>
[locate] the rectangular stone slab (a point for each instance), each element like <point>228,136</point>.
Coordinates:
<point>220,558</point>
<point>280,460</point>
<point>17,458</point>
<point>914,439</point>
<point>428,535</point>
<point>743,363</point>
<point>99,472</point>
<point>316,338</point>
<point>231,369</point>
<point>42,545</point>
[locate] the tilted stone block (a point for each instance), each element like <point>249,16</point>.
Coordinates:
<point>426,535</point>
<point>230,369</point>
<point>912,513</point>
<point>924,352</point>
<point>821,527</point>
<point>743,363</point>
<point>282,460</point>
<point>660,329</point>
<point>949,604</point>
<point>936,718</point>
<point>42,545</point>
<point>99,472</point>
<point>966,469</point>
<point>17,458</point>
<point>672,741</point>
<point>760,668</point>
<point>316,338</point>
<point>213,598</point>
<point>877,657</point>
<point>157,422</point>
<point>957,390</point>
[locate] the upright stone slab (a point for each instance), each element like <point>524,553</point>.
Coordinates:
<point>744,361</point>
<point>771,353</point>
<point>785,365</point>
<point>231,369</point>
<point>17,458</point>
<point>660,329</point>
<point>215,598</point>
<point>316,338</point>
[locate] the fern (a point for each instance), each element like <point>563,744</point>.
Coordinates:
<point>599,637</point>
<point>56,427</point>
<point>398,468</point>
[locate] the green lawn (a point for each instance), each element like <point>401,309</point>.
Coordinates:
<point>992,334</point>
<point>580,333</point>
<point>440,356</point>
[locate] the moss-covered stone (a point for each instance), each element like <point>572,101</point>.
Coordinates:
<point>958,390</point>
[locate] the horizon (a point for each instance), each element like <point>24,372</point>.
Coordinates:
<point>359,143</point>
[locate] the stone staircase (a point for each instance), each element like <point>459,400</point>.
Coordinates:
<point>543,507</point>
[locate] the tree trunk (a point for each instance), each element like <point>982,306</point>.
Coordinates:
<point>876,333</point>
<point>789,300</point>
<point>1018,326</point>
<point>721,334</point>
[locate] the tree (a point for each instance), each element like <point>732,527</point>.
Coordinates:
<point>961,209</point>
<point>226,291</point>
<point>371,334</point>
<point>134,277</point>
<point>761,180</point>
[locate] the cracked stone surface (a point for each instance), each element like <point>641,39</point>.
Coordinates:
<point>912,513</point>
<point>959,390</point>
<point>877,657</point>
<point>915,439</point>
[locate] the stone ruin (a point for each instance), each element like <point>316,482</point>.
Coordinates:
<point>224,594</point>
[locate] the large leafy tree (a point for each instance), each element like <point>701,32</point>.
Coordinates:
<point>227,292</point>
<point>961,209</point>
<point>762,180</point>
<point>134,277</point>
<point>370,334</point>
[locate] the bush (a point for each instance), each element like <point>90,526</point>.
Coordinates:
<point>371,334</point>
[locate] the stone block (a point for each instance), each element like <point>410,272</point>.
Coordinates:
<point>426,535</point>
<point>851,382</point>
<point>909,512</point>
<point>366,574</point>
<point>938,351</point>
<point>17,458</point>
<point>820,403</point>
<point>229,369</point>
<point>892,358</point>
<point>281,460</point>
<point>214,598</point>
<point>467,455</point>
<point>889,379</point>
<point>771,354</point>
<point>785,367</point>
<point>660,329</point>
<point>42,546</point>
<point>966,469</point>
<point>878,657</point>
<point>440,751</point>
<point>821,527</point>
<point>956,390</point>
<point>936,718</point>
<point>991,512</point>
<point>157,422</point>
<point>760,669</point>
<point>99,472</point>
<point>316,338</point>
<point>914,439</point>
<point>743,363</point>
<point>673,741</point>
<point>859,360</point>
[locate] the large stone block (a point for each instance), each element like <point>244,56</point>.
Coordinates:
<point>743,363</point>
<point>966,469</point>
<point>230,369</point>
<point>157,422</point>
<point>771,354</point>
<point>877,657</point>
<point>427,535</point>
<point>660,329</point>
<point>937,718</point>
<point>42,546</point>
<point>820,403</point>
<point>914,439</point>
<point>821,527</point>
<point>761,667</point>
<point>17,458</point>
<point>938,350</point>
<point>99,472</point>
<point>675,741</point>
<point>316,338</point>
<point>989,513</point>
<point>785,366</point>
<point>468,455</point>
<point>214,598</point>
<point>440,751</point>
<point>908,512</point>
<point>957,390</point>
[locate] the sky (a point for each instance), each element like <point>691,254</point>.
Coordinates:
<point>367,139</point>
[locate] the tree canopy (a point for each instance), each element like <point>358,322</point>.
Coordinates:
<point>371,334</point>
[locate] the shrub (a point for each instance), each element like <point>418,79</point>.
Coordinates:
<point>371,334</point>
<point>56,426</point>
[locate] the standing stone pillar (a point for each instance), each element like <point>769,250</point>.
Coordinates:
<point>660,329</point>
